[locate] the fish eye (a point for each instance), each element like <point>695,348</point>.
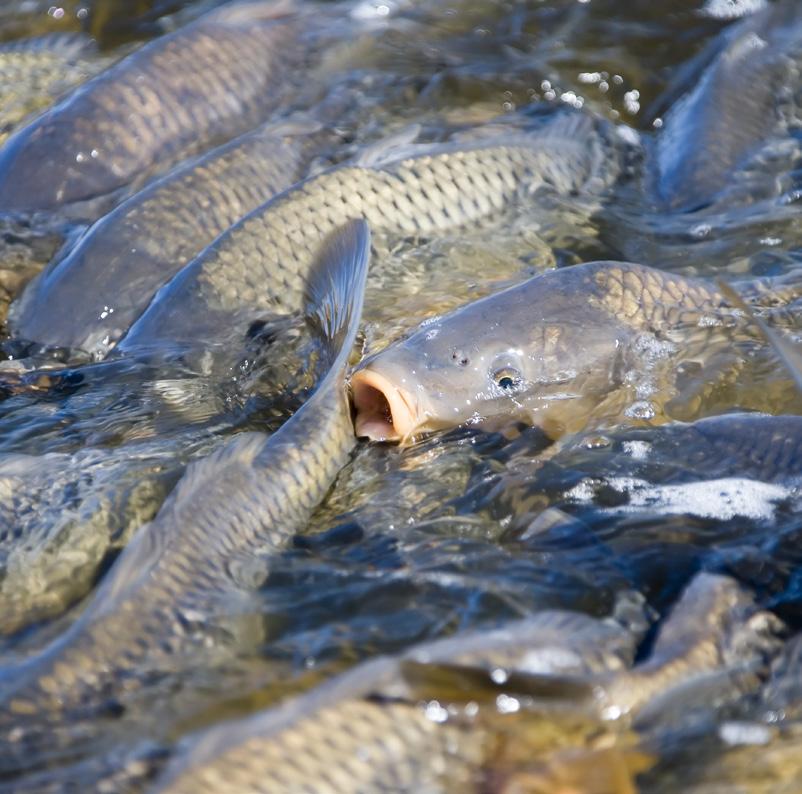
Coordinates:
<point>459,358</point>
<point>507,378</point>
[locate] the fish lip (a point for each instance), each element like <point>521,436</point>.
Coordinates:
<point>375,396</point>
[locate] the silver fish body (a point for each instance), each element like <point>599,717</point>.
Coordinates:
<point>748,94</point>
<point>177,95</point>
<point>61,514</point>
<point>35,72</point>
<point>693,469</point>
<point>370,730</point>
<point>716,645</point>
<point>87,300</point>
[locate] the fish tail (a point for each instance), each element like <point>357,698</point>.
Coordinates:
<point>335,290</point>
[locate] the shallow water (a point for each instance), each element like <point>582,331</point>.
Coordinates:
<point>465,528</point>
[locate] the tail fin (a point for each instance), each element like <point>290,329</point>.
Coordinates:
<point>335,289</point>
<point>790,356</point>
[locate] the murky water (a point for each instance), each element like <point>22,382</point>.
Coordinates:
<point>462,529</point>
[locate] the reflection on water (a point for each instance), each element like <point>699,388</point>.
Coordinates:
<point>462,529</point>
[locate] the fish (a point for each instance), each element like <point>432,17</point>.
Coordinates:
<point>375,729</point>
<point>748,95</point>
<point>203,84</point>
<point>63,514</point>
<point>547,351</point>
<point>251,494</point>
<point>36,71</point>
<point>716,468</point>
<point>88,299</point>
<point>382,726</point>
<point>256,268</point>
<point>715,646</point>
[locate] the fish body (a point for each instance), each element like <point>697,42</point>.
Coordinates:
<point>61,514</point>
<point>88,299</point>
<point>747,95</point>
<point>545,351</point>
<point>251,494</point>
<point>175,96</point>
<point>257,267</point>
<point>716,468</point>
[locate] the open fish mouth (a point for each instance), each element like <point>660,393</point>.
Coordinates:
<point>384,412</point>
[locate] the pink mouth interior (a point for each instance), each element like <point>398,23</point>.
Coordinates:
<point>383,411</point>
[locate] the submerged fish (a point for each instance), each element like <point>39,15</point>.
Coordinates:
<point>88,299</point>
<point>62,515</point>
<point>207,82</point>
<point>257,267</point>
<point>548,351</point>
<point>173,579</point>
<point>749,94</point>
<point>383,726</point>
<point>35,72</point>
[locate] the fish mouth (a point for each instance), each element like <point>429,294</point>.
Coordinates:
<point>384,412</point>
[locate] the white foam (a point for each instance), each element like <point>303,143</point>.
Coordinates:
<point>723,499</point>
<point>637,450</point>
<point>748,733</point>
<point>731,9</point>
<point>550,660</point>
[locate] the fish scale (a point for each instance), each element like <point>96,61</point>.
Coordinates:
<point>595,342</point>
<point>34,72</point>
<point>386,747</point>
<point>748,93</point>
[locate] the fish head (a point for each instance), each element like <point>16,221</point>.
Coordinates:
<point>507,357</point>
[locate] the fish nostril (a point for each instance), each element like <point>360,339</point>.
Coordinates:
<point>460,359</point>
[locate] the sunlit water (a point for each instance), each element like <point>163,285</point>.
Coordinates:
<point>462,529</point>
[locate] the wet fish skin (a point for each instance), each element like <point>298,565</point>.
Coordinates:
<point>748,94</point>
<point>757,446</point>
<point>177,95</point>
<point>254,492</point>
<point>550,642</point>
<point>87,300</point>
<point>546,351</point>
<point>348,744</point>
<point>257,267</point>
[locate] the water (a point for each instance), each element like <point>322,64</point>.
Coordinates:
<point>462,529</point>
